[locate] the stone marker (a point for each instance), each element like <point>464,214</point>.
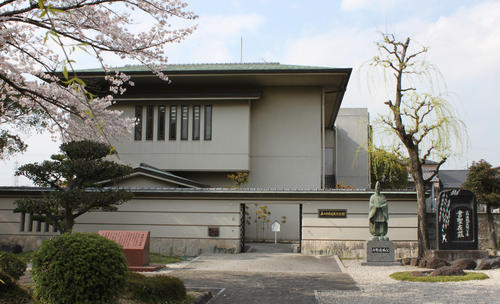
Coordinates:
<point>456,217</point>
<point>135,245</point>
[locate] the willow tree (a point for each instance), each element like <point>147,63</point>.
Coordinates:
<point>424,122</point>
<point>387,168</point>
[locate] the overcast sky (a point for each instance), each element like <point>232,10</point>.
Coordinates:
<point>463,39</point>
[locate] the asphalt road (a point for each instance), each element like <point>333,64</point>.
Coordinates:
<point>265,277</point>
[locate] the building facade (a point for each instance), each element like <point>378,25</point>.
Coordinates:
<point>281,124</point>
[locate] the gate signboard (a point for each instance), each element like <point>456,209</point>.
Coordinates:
<point>456,216</point>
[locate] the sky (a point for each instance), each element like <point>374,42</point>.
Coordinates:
<point>463,38</point>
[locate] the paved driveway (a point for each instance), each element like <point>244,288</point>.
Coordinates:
<point>265,277</point>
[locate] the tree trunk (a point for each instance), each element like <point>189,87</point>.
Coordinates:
<point>492,236</point>
<point>416,170</point>
<point>424,244</point>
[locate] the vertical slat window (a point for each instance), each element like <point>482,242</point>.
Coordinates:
<point>30,222</point>
<point>149,122</point>
<point>161,122</point>
<point>22,222</point>
<point>46,227</point>
<point>196,122</point>
<point>138,123</point>
<point>172,128</point>
<point>38,226</point>
<point>184,122</point>
<point>208,122</point>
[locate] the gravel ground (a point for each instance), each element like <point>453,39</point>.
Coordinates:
<point>377,287</point>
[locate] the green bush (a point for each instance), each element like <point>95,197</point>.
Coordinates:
<point>11,265</point>
<point>79,268</point>
<point>157,289</point>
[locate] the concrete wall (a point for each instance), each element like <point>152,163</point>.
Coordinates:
<point>285,137</point>
<point>178,227</point>
<point>352,157</point>
<point>227,151</point>
<point>483,229</point>
<point>346,236</point>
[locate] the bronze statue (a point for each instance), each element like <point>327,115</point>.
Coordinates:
<point>379,215</point>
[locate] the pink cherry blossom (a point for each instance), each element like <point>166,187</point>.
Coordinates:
<point>39,42</point>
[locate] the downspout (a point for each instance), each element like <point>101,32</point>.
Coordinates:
<point>322,138</point>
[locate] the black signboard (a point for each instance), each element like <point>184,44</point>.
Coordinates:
<point>332,213</point>
<point>457,220</point>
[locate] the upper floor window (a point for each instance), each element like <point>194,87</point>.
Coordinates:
<point>196,122</point>
<point>149,122</point>
<point>184,122</point>
<point>138,123</point>
<point>172,126</point>
<point>173,110</point>
<point>161,122</point>
<point>208,122</point>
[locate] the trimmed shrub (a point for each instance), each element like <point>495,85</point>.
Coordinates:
<point>11,265</point>
<point>79,268</point>
<point>157,289</point>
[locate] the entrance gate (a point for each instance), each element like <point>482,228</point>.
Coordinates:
<point>296,243</point>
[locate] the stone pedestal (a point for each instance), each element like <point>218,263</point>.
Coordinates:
<point>451,255</point>
<point>379,253</point>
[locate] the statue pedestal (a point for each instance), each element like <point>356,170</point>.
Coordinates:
<point>380,253</point>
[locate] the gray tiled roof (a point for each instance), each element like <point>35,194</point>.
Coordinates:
<point>275,66</point>
<point>452,178</point>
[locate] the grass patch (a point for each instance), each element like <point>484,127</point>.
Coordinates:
<point>406,276</point>
<point>157,258</point>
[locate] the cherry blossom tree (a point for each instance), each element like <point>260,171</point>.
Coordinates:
<point>40,41</point>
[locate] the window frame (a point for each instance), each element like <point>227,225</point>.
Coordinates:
<point>184,122</point>
<point>172,122</point>
<point>196,122</point>
<point>207,123</point>
<point>138,123</point>
<point>150,118</point>
<point>162,111</point>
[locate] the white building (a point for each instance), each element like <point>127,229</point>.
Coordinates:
<point>282,124</point>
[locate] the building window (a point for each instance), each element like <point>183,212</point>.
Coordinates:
<point>196,122</point>
<point>138,123</point>
<point>149,122</point>
<point>184,122</point>
<point>22,222</point>
<point>161,122</point>
<point>172,127</point>
<point>208,122</point>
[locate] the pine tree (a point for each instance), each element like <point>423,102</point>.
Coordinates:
<point>74,184</point>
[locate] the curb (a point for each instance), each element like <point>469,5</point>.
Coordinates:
<point>341,265</point>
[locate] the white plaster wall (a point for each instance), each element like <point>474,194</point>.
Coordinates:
<point>285,139</point>
<point>227,151</point>
<point>351,149</point>
<point>402,221</point>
